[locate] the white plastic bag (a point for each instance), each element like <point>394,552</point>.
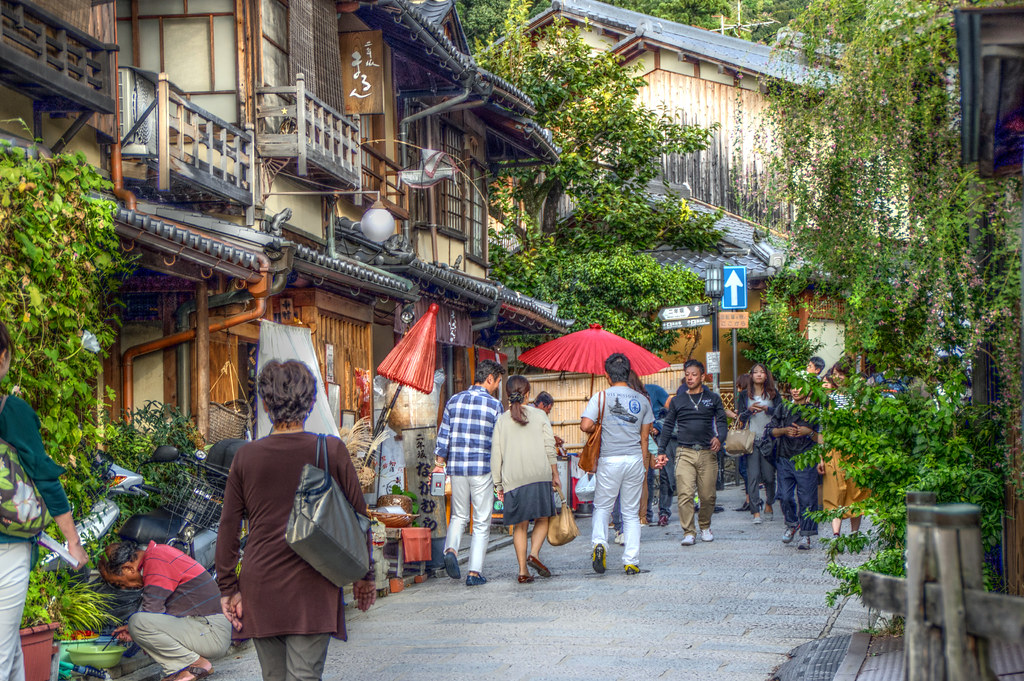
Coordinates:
<point>585,487</point>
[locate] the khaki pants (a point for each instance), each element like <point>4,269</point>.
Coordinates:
<point>696,471</point>
<point>176,642</point>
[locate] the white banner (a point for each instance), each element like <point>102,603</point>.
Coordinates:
<point>281,342</point>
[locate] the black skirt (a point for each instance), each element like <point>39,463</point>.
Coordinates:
<point>529,502</point>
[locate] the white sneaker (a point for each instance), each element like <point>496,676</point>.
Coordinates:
<point>688,540</point>
<point>619,539</point>
<point>705,535</point>
<point>757,520</point>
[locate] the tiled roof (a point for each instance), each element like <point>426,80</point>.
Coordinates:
<point>740,244</point>
<point>744,54</point>
<point>189,243</point>
<point>372,277</point>
<point>548,311</point>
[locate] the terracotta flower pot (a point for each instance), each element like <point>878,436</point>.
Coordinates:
<point>37,648</point>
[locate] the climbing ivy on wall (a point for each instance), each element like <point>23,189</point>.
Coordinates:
<point>62,266</point>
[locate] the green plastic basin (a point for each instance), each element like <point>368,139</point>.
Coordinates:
<point>93,654</point>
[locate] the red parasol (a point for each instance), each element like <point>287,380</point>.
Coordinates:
<point>412,361</point>
<point>585,352</point>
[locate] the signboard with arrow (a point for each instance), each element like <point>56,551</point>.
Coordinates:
<point>735,297</point>
<point>684,312</point>
<point>690,323</point>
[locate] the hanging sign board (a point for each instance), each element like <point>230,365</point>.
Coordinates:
<point>690,323</point>
<point>714,364</point>
<point>684,312</point>
<point>733,320</point>
<point>362,72</point>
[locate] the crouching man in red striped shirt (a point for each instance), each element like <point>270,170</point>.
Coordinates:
<point>180,623</point>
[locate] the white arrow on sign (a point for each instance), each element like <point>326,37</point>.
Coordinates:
<point>734,284</point>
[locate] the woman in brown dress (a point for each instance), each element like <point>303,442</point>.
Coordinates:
<point>837,490</point>
<point>283,604</point>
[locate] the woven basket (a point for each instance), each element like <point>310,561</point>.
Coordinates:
<point>392,520</point>
<point>228,420</point>
<point>395,500</point>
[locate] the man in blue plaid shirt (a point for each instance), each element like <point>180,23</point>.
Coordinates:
<point>464,445</point>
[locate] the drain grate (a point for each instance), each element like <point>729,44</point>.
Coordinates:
<point>814,661</point>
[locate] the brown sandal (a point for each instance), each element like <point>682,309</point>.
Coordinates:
<point>525,579</point>
<point>541,569</point>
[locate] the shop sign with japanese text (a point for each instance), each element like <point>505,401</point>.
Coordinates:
<point>418,444</point>
<point>362,72</point>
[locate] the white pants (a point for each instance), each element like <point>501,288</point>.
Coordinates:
<point>619,475</point>
<point>478,491</point>
<point>14,564</point>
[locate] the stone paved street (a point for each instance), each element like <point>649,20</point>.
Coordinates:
<point>729,610</point>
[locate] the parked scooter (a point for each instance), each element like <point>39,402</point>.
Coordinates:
<point>105,512</point>
<point>190,516</point>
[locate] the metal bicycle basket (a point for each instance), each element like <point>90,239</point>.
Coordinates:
<point>198,497</point>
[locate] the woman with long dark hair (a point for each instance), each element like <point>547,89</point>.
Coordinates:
<point>279,600</point>
<point>525,473</point>
<point>755,407</point>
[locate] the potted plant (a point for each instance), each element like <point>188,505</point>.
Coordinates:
<point>58,602</point>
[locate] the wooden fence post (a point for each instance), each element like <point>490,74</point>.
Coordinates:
<point>918,648</point>
<point>955,525</point>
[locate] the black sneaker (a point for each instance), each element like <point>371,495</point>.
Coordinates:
<point>597,559</point>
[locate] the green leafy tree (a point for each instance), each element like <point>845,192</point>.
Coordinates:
<point>611,151</point>
<point>922,249</point>
<point>622,292</point>
<point>62,265</point>
<point>773,332</point>
<point>611,144</point>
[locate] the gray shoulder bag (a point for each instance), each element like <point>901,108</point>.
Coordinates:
<point>324,529</point>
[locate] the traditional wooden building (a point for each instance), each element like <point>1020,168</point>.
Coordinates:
<point>707,79</point>
<point>246,140</point>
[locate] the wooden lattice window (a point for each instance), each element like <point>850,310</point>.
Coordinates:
<point>478,214</point>
<point>451,192</point>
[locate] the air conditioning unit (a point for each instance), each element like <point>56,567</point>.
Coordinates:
<point>137,93</point>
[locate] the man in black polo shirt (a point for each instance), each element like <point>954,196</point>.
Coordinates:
<point>697,418</point>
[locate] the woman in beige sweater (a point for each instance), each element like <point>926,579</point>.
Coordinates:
<point>525,472</point>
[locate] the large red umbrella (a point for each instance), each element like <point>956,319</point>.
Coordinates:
<point>412,361</point>
<point>585,352</point>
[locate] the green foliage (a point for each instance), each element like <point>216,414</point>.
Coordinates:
<point>925,439</point>
<point>773,331</point>
<point>611,144</point>
<point>611,150</point>
<point>130,442</point>
<point>869,154</point>
<point>622,292</point>
<point>483,19</point>
<point>62,265</point>
<point>65,599</point>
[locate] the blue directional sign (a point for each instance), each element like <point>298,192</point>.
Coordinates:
<point>735,295</point>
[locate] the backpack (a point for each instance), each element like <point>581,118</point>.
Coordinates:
<point>23,512</point>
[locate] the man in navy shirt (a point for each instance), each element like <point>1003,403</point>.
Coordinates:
<point>464,447</point>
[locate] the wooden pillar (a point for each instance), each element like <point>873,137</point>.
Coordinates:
<point>202,372</point>
<point>920,519</point>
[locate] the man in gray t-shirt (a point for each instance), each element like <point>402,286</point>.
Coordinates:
<point>625,425</point>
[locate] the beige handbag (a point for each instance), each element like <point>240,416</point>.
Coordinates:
<point>562,528</point>
<point>739,441</point>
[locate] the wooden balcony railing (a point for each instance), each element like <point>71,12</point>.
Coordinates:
<point>322,144</point>
<point>48,60</point>
<point>196,152</point>
<point>380,174</point>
